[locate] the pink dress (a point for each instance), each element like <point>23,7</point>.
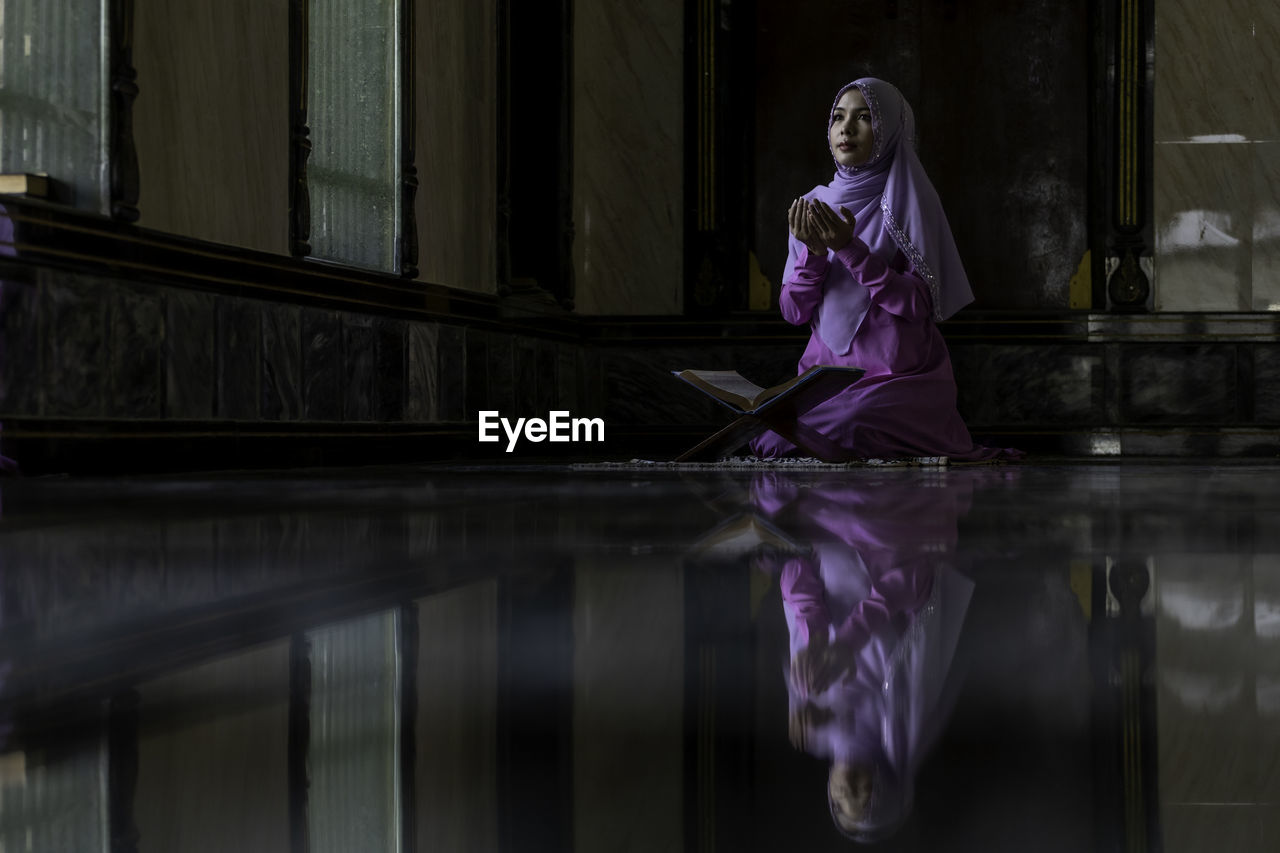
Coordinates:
<point>905,403</point>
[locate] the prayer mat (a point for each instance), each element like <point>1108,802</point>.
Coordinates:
<point>752,463</point>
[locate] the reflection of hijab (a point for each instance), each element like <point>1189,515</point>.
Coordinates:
<point>896,208</point>
<point>881,579</point>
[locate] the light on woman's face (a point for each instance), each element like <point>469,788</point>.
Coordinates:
<point>850,134</point>
<point>850,790</point>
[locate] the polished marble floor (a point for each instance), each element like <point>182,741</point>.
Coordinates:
<point>1044,657</point>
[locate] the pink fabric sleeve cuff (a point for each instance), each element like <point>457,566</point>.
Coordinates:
<point>853,254</point>
<point>810,261</point>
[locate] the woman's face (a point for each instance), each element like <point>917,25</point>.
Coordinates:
<point>850,133</point>
<point>850,790</point>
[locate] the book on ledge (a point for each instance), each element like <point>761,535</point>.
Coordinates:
<point>22,183</point>
<point>742,395</point>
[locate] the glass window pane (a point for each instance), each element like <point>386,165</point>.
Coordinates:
<point>353,801</point>
<point>53,94</point>
<point>54,799</point>
<point>353,109</point>
<point>1213,157</point>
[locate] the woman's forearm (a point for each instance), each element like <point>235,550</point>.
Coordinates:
<point>802,289</point>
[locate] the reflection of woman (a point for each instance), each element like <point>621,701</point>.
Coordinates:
<point>874,613</point>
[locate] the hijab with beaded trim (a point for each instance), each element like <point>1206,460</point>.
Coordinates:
<point>895,208</point>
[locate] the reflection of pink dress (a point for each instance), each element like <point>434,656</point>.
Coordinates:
<point>879,588</point>
<point>905,403</point>
<point>862,706</point>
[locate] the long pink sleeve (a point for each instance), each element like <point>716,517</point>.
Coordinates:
<point>898,591</point>
<point>804,598</point>
<point>802,286</point>
<point>901,294</point>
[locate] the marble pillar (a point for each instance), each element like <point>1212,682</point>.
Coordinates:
<point>628,145</point>
<point>212,120</point>
<point>212,755</point>
<point>628,764</point>
<point>456,92</point>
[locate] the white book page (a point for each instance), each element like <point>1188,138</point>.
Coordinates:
<point>729,380</point>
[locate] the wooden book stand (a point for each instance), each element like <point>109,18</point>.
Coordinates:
<point>780,411</point>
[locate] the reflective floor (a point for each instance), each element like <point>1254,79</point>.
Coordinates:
<point>1029,657</point>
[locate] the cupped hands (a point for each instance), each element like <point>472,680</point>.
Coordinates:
<point>834,232</point>
<point>803,227</point>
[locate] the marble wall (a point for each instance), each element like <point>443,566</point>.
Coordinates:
<point>100,349</point>
<point>456,146</point>
<point>628,146</point>
<point>212,120</point>
<point>1156,384</point>
<point>1217,156</point>
<point>94,348</point>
